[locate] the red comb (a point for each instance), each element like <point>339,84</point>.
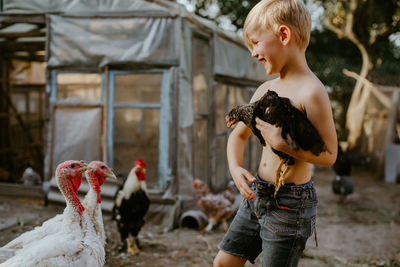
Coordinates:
<point>196,182</point>
<point>139,162</point>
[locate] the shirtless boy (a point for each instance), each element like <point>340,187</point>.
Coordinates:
<point>277,33</point>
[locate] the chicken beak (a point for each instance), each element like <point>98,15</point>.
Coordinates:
<point>228,122</point>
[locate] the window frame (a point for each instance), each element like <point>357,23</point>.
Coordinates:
<point>54,85</point>
<point>163,106</point>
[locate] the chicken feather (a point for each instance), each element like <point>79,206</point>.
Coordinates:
<point>297,131</point>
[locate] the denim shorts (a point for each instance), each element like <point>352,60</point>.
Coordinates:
<point>277,226</point>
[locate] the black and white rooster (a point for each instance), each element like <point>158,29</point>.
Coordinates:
<point>297,130</point>
<point>130,207</point>
<point>343,185</point>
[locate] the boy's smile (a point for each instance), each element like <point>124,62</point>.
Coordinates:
<point>267,49</point>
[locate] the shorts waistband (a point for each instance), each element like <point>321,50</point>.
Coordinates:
<point>289,184</point>
<point>266,187</point>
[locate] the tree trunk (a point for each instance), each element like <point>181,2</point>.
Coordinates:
<point>358,101</point>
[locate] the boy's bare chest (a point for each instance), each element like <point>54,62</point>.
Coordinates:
<point>292,93</point>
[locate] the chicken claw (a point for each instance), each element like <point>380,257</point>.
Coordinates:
<point>281,178</point>
<point>132,247</point>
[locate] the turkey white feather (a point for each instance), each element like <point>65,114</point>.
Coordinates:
<point>76,243</point>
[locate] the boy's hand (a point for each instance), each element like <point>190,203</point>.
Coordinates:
<point>240,177</point>
<point>270,133</point>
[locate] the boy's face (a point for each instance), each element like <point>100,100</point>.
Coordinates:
<point>267,49</point>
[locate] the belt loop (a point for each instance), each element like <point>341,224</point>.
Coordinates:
<point>309,192</point>
<point>312,193</point>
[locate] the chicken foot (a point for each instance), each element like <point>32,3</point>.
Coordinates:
<point>132,246</point>
<point>280,179</point>
<point>278,174</point>
<point>225,225</point>
<point>210,225</point>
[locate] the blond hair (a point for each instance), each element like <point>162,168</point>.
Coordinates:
<point>270,14</point>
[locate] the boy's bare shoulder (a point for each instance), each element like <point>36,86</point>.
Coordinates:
<point>312,89</point>
<point>314,99</point>
<point>262,89</point>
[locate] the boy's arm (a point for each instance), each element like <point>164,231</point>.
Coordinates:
<point>235,150</point>
<point>319,113</point>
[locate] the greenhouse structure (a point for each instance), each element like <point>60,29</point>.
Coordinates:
<point>116,80</point>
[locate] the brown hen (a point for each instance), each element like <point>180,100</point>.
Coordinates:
<point>217,207</point>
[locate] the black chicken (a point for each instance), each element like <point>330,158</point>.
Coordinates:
<point>297,130</point>
<point>131,205</point>
<point>343,185</point>
<point>342,165</point>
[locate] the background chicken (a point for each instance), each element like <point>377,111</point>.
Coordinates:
<point>342,165</point>
<point>130,207</point>
<point>30,177</point>
<point>343,184</point>
<point>297,130</point>
<point>217,207</point>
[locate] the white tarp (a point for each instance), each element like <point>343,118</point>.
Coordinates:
<point>133,35</point>
<point>235,61</point>
<point>86,6</point>
<point>96,42</point>
<point>77,134</point>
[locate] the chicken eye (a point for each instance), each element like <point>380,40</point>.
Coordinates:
<point>103,167</point>
<point>73,166</point>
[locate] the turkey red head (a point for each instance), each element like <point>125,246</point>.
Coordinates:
<point>69,178</point>
<point>71,171</point>
<point>140,169</point>
<point>96,174</point>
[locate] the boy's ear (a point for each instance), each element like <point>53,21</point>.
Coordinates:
<point>285,34</point>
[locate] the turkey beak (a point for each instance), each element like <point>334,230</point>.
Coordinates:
<point>111,175</point>
<point>85,168</point>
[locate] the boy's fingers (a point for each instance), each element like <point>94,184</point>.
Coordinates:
<point>250,177</point>
<point>246,191</point>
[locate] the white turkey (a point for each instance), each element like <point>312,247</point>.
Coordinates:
<point>97,173</point>
<point>76,243</point>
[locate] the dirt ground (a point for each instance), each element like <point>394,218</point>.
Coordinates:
<point>364,232</point>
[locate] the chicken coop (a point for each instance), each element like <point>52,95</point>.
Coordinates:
<point>120,80</point>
